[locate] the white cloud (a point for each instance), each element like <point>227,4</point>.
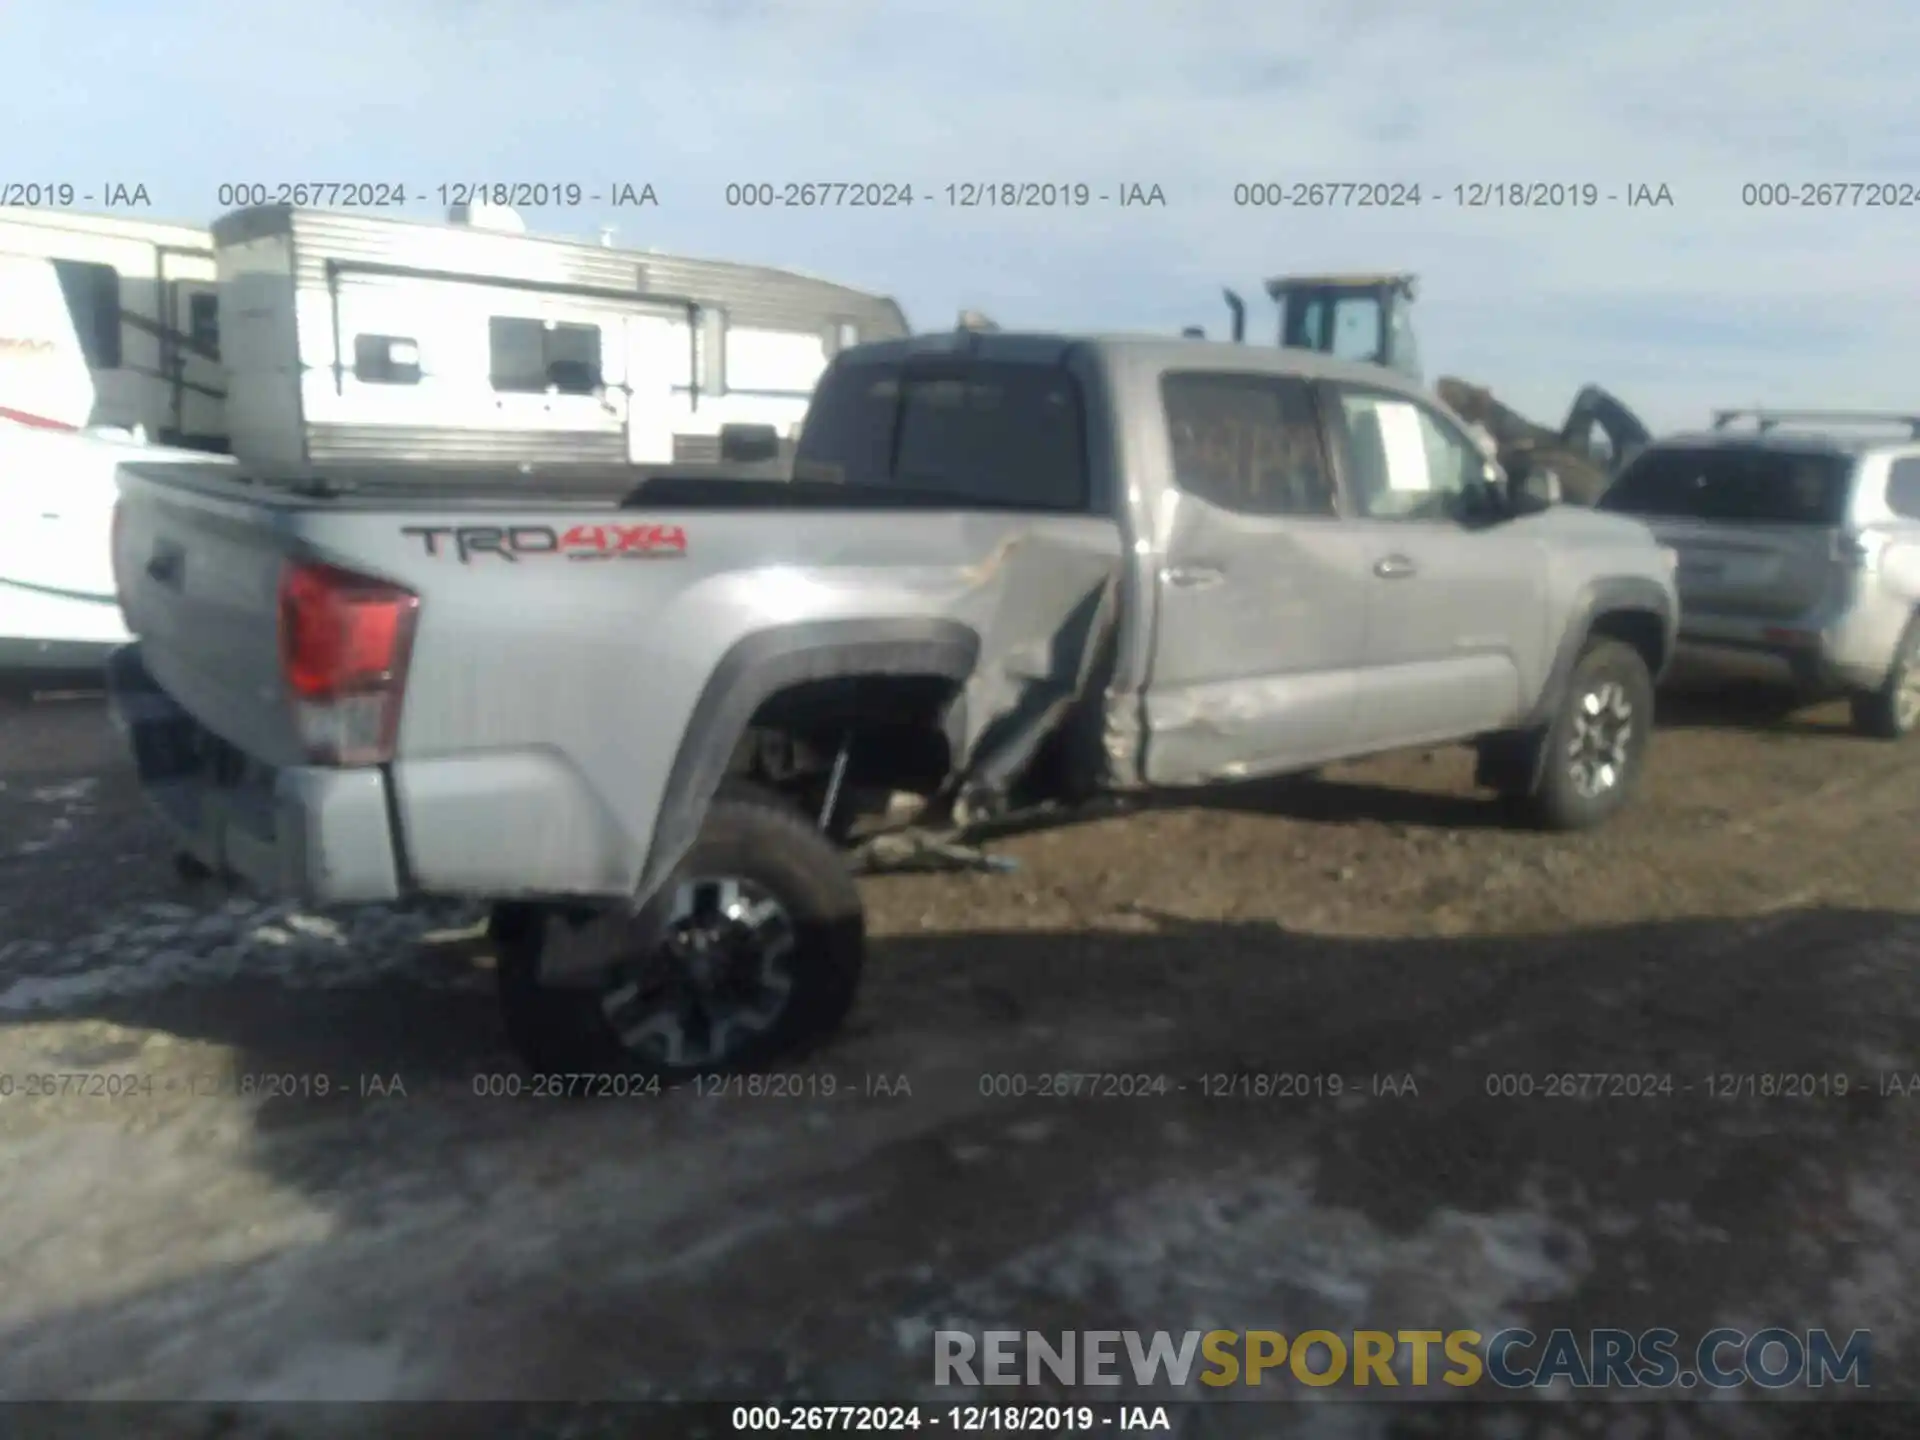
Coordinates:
<point>1676,308</point>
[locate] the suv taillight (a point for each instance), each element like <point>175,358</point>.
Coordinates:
<point>345,640</point>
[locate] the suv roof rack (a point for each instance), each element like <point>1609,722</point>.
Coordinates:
<point>1768,419</point>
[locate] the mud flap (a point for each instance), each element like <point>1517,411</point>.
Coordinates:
<point>1511,764</point>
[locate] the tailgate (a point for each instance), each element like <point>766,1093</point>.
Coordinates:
<point>1774,572</point>
<point>199,575</point>
<point>1756,526</point>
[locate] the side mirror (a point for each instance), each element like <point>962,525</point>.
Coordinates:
<point>1533,487</point>
<point>748,444</point>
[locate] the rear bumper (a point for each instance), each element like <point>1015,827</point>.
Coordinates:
<point>323,836</point>
<point>1852,649</point>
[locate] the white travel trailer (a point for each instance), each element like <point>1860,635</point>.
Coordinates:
<point>110,321</point>
<point>360,337</point>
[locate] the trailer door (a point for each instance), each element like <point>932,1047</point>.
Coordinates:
<point>658,352</point>
<point>190,352</point>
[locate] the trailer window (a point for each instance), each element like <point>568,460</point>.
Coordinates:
<point>93,300</point>
<point>203,325</point>
<point>385,360</point>
<point>1778,487</point>
<point>535,357</point>
<point>988,434</point>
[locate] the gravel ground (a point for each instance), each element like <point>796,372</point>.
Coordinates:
<point>248,1153</point>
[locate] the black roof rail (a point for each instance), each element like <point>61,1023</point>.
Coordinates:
<point>1768,419</point>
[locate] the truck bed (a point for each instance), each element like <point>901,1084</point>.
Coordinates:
<point>564,636</point>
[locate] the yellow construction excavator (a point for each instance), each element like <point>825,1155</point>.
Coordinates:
<point>1368,318</point>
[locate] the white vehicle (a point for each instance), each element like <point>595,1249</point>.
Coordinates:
<point>57,483</point>
<point>58,610</point>
<point>110,321</point>
<point>357,337</point>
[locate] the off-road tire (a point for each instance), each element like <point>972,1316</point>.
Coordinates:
<point>1877,713</point>
<point>1556,802</point>
<point>748,833</point>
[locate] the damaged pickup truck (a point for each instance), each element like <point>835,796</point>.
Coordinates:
<point>643,720</point>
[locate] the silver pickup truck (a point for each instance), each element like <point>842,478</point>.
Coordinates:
<point>637,714</point>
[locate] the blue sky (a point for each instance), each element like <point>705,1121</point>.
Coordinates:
<point>1677,309</point>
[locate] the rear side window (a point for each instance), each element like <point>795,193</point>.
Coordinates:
<point>1903,489</point>
<point>1708,483</point>
<point>1247,443</point>
<point>991,434</point>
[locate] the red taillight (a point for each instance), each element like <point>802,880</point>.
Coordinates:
<point>344,644</point>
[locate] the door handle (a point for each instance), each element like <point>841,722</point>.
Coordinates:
<point>1395,567</point>
<point>1192,577</point>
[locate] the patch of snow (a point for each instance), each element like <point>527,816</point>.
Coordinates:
<point>1255,1251</point>
<point>162,946</point>
<point>331,1372</point>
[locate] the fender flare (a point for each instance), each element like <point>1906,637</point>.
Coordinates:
<point>760,665</point>
<point>1597,598</point>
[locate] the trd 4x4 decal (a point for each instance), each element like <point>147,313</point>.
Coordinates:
<point>582,542</point>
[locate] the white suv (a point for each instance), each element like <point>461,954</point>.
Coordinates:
<point>1797,544</point>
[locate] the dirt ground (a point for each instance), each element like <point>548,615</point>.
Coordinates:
<point>189,1217</point>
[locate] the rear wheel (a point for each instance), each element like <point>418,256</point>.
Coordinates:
<point>752,951</point>
<point>1597,741</point>
<point>1893,711</point>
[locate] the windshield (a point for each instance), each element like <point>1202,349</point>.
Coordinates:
<point>1712,483</point>
<point>1344,326</point>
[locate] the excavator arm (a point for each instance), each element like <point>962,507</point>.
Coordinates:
<point>1622,434</point>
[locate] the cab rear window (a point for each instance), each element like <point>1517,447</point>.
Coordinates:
<point>1779,487</point>
<point>995,435</point>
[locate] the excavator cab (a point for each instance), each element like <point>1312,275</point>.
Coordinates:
<point>1353,317</point>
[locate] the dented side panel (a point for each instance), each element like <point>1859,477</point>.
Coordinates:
<point>1260,644</point>
<point>607,672</point>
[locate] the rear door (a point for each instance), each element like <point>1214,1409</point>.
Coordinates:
<point>1757,529</point>
<point>1455,602</point>
<point>656,353</point>
<point>190,352</point>
<point>1261,595</point>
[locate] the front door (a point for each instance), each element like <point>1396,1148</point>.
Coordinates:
<point>1456,601</point>
<point>1261,593</point>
